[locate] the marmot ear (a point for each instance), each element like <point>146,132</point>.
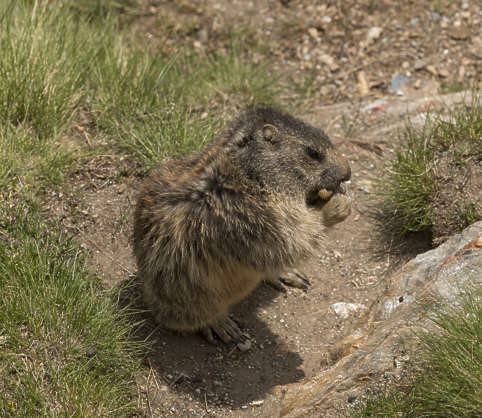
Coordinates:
<point>269,133</point>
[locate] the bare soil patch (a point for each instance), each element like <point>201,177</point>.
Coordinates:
<point>334,50</point>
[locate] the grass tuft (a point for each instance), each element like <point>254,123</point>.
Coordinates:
<point>434,183</point>
<point>411,184</point>
<point>158,135</point>
<point>227,74</point>
<point>45,57</point>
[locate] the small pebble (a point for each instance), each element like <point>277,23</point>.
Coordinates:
<point>91,352</point>
<point>313,32</point>
<point>244,346</point>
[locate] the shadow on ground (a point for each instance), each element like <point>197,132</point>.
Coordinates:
<point>216,374</point>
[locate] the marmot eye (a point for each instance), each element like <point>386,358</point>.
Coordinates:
<point>312,153</point>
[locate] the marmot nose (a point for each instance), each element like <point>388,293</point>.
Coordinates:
<point>338,171</point>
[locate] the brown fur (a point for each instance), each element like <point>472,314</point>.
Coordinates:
<point>209,227</point>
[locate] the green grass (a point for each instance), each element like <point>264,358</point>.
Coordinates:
<point>471,212</point>
<point>46,58</point>
<point>411,184</point>
<point>231,77</point>
<point>461,134</point>
<point>53,316</point>
<point>28,163</point>
<point>141,103</point>
<point>158,135</point>
<point>430,165</point>
<point>447,380</point>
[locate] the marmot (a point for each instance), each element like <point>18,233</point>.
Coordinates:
<point>253,204</point>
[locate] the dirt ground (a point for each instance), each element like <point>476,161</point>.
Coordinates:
<point>329,44</point>
<point>334,50</point>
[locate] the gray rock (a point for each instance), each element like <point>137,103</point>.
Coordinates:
<point>244,346</point>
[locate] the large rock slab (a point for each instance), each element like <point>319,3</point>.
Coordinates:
<point>385,336</point>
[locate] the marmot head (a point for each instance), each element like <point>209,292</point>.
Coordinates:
<point>286,155</point>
